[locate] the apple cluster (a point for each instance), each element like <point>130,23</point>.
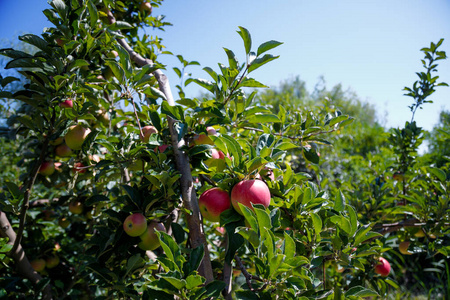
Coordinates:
<point>39,264</point>
<point>135,225</point>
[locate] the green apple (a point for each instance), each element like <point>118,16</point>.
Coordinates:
<point>76,136</point>
<point>52,261</point>
<point>149,239</point>
<point>248,192</point>
<point>38,264</point>
<point>213,202</point>
<point>76,207</point>
<point>63,222</point>
<point>135,224</point>
<point>63,150</point>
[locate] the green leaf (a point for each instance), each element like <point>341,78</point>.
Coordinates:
<point>93,14</point>
<point>60,7</point>
<point>343,223</point>
<point>262,118</point>
<point>232,60</point>
<point>263,218</point>
<point>353,219</point>
<point>339,201</point>
<point>177,283</point>
<point>8,79</point>
<point>214,288</point>
<point>196,258</point>
<point>245,34</point>
<point>176,112</point>
<point>317,223</point>
<point>258,62</point>
<point>289,246</point>
<point>360,291</point>
<point>250,82</point>
<point>267,46</point>
<point>87,144</point>
<point>203,83</point>
<point>440,174</point>
<point>363,234</point>
<point>117,69</point>
<point>118,25</point>
<point>193,281</point>
<point>134,262</point>
<point>336,120</point>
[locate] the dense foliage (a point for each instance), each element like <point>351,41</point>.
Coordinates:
<point>344,192</point>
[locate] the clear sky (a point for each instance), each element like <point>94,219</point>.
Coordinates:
<point>370,47</point>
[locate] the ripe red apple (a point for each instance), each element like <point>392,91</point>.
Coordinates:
<point>162,148</point>
<point>76,207</point>
<point>63,150</point>
<point>79,167</point>
<point>52,261</point>
<point>112,54</point>
<point>147,132</point>
<point>217,154</point>
<point>403,248</point>
<point>47,168</point>
<point>247,192</point>
<point>66,104</point>
<point>145,7</point>
<point>135,224</point>
<point>383,267</point>
<point>38,264</point>
<point>63,222</point>
<point>149,239</point>
<point>267,173</point>
<point>76,136</point>
<point>213,202</point>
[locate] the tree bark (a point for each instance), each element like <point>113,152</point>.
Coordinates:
<point>189,196</point>
<point>23,265</point>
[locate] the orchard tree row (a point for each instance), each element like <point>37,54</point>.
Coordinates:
<point>126,189</point>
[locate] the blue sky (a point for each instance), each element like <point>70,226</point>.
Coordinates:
<point>370,47</point>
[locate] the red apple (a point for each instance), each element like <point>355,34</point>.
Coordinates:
<point>149,239</point>
<point>248,192</point>
<point>213,202</point>
<point>79,167</point>
<point>47,168</point>
<point>383,267</point>
<point>398,176</point>
<point>76,207</point>
<point>217,154</point>
<point>60,42</point>
<point>145,7</point>
<point>267,173</point>
<point>66,104</point>
<point>203,139</point>
<point>76,136</point>
<point>135,224</point>
<point>63,150</point>
<point>147,132</point>
<point>38,264</point>
<point>52,261</point>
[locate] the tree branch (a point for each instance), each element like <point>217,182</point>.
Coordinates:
<point>23,265</point>
<point>189,196</point>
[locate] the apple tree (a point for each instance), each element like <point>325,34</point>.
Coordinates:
<point>113,164</point>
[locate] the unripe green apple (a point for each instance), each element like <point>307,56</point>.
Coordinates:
<point>135,224</point>
<point>76,136</point>
<point>149,239</point>
<point>76,207</point>
<point>38,264</point>
<point>213,202</point>
<point>403,248</point>
<point>420,233</point>
<point>383,267</point>
<point>248,192</point>
<point>63,222</point>
<point>52,261</point>
<point>47,168</point>
<point>147,132</point>
<point>63,150</point>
